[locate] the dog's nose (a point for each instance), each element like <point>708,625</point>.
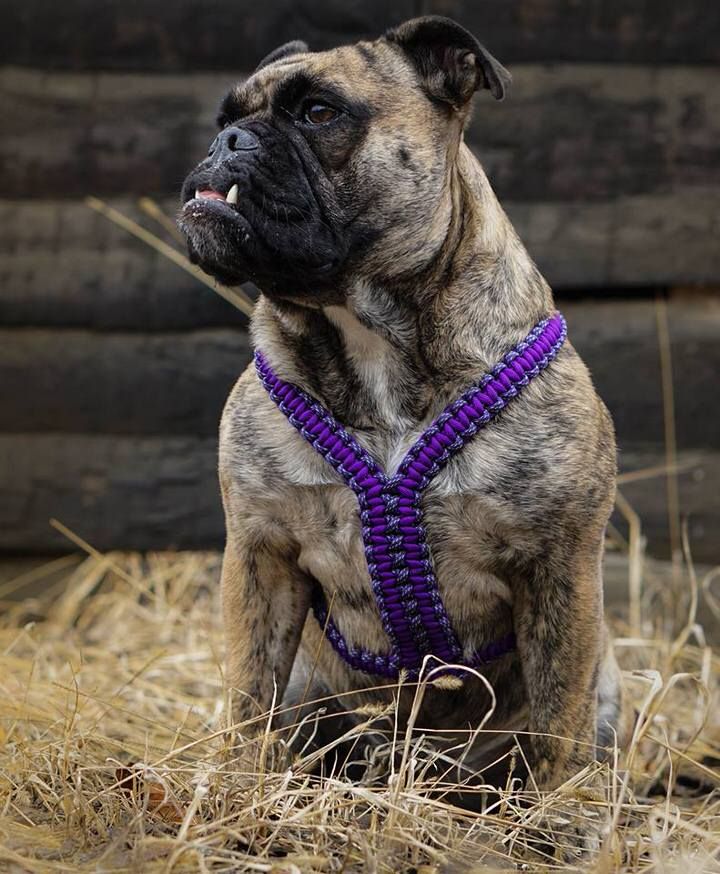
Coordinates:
<point>231,140</point>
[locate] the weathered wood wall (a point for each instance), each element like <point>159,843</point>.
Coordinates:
<point>115,431</point>
<point>114,364</point>
<point>222,35</point>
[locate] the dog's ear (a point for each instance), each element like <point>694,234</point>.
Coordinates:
<point>296,47</point>
<point>451,62</point>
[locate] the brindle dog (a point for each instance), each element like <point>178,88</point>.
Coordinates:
<point>391,280</point>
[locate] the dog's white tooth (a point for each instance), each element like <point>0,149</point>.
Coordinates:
<point>232,195</point>
<point>197,192</point>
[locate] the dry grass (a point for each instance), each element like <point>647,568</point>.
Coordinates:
<point>117,753</point>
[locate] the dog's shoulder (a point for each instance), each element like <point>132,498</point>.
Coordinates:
<point>260,452</point>
<point>548,457</point>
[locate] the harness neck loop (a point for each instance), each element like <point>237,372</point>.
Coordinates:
<point>396,550</point>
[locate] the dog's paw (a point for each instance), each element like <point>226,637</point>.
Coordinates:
<point>559,839</point>
<point>567,833</point>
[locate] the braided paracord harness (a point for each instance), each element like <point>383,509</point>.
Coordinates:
<point>398,557</point>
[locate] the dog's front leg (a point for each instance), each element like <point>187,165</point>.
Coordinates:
<point>560,632</point>
<point>265,601</point>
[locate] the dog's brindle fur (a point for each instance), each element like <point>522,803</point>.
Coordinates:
<point>393,279</point>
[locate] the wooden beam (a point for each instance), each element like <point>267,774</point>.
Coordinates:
<point>138,382</point>
<point>144,493</point>
<point>162,492</point>
<point>574,133</point>
<point>206,34</point>
<point>62,265</point>
<point>118,383</point>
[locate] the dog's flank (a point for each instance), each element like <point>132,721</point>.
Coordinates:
<point>391,280</point>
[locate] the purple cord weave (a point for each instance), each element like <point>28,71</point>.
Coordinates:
<point>398,557</point>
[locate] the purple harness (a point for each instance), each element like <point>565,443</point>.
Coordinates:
<point>398,557</point>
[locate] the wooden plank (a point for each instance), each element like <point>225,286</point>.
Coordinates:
<point>645,240</point>
<point>74,134</point>
<point>592,133</point>
<point>210,34</point>
<point>63,264</point>
<point>135,493</point>
<point>621,31</point>
<point>580,133</point>
<point>128,383</point>
<point>162,492</point>
<point>176,383</point>
<point>618,341</point>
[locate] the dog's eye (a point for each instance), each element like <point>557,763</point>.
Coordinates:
<point>319,113</point>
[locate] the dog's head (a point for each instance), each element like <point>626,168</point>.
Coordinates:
<point>334,164</point>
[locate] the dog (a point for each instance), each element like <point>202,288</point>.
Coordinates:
<point>391,283</point>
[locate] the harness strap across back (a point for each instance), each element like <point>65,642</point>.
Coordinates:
<point>396,549</point>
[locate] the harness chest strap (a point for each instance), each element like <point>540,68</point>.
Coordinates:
<point>396,549</point>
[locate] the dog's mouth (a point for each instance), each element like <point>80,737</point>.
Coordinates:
<point>220,237</point>
<point>212,204</point>
<point>261,220</point>
<point>230,197</point>
<point>215,196</point>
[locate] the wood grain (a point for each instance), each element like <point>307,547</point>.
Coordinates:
<point>162,492</point>
<point>565,133</point>
<point>209,34</point>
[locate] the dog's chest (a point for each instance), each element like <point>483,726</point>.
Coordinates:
<point>460,524</point>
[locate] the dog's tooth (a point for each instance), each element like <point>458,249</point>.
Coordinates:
<point>232,195</point>
<point>197,193</point>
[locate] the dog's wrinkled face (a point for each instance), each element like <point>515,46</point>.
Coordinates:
<point>333,165</point>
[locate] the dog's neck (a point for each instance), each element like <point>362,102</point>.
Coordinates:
<point>398,349</point>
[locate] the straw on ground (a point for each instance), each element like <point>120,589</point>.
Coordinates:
<point>117,754</point>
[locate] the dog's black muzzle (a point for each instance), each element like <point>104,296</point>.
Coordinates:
<point>232,157</point>
<point>259,207</point>
<point>230,141</point>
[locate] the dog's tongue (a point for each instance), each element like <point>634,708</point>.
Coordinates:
<point>209,194</point>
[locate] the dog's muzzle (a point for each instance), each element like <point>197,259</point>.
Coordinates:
<point>231,141</point>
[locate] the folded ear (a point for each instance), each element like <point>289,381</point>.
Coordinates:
<point>451,62</point>
<point>296,47</point>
